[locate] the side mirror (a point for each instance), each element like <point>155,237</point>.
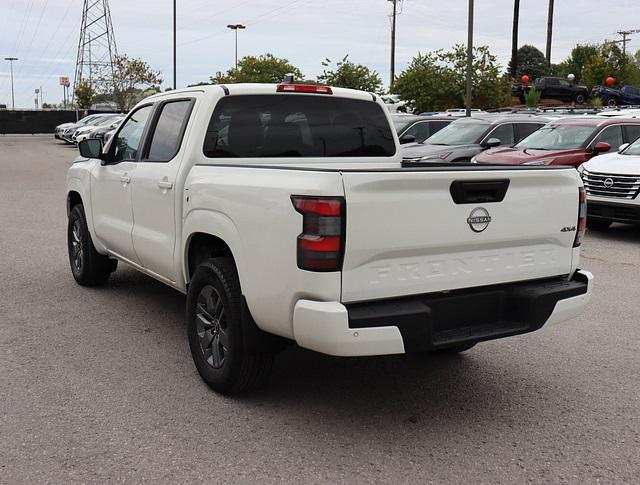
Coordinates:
<point>407,139</point>
<point>492,143</point>
<point>622,147</point>
<point>91,148</point>
<point>601,147</point>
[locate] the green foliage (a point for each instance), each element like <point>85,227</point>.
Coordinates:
<point>131,77</point>
<point>84,94</point>
<point>346,74</point>
<point>531,61</point>
<point>596,102</point>
<point>437,80</point>
<point>610,61</point>
<point>580,55</point>
<point>532,97</point>
<point>263,69</point>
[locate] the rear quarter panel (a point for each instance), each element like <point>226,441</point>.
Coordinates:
<point>250,208</point>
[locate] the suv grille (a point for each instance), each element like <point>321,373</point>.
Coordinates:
<point>609,185</point>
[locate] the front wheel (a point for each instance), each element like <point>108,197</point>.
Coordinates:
<point>214,329</point>
<point>580,98</point>
<point>598,224</point>
<point>89,268</point>
<point>612,102</point>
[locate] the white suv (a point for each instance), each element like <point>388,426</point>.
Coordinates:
<point>612,182</point>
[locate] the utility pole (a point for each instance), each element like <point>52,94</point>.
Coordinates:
<point>13,99</point>
<point>236,27</point>
<point>514,38</point>
<point>175,84</point>
<point>625,34</point>
<point>549,31</point>
<point>394,16</point>
<point>469,58</point>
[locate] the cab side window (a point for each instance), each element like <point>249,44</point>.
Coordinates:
<point>504,133</point>
<point>168,131</point>
<point>611,135</point>
<point>127,142</point>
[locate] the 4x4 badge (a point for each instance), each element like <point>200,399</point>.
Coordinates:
<point>479,219</point>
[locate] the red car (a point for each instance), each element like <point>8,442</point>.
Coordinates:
<point>566,141</point>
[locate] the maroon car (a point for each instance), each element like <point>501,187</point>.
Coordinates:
<point>566,141</point>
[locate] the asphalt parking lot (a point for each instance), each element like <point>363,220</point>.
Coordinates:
<point>98,385</point>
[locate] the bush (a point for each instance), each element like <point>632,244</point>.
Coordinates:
<point>532,97</point>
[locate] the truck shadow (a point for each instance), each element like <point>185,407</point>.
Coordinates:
<point>329,394</point>
<point>619,232</point>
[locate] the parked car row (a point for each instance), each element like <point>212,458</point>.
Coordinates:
<point>97,124</point>
<point>604,149</point>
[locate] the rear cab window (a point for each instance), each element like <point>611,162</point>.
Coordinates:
<point>297,125</point>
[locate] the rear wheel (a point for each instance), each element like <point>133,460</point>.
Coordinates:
<point>598,224</point>
<point>89,268</point>
<point>214,328</point>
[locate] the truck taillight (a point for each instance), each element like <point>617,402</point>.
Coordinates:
<point>582,217</point>
<point>321,243</point>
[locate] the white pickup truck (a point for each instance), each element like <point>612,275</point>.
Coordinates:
<point>285,213</point>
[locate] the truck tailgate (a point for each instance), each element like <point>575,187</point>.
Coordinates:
<point>406,235</point>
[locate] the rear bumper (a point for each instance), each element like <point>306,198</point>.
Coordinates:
<point>433,321</point>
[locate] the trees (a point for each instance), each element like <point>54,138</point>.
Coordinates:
<point>609,60</point>
<point>531,61</point>
<point>262,69</point>
<point>580,55</point>
<point>436,80</point>
<point>130,79</point>
<point>84,94</point>
<point>346,74</point>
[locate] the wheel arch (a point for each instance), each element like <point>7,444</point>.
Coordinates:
<point>73,199</point>
<point>209,234</point>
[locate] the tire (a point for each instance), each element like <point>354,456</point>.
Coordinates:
<point>215,331</point>
<point>612,102</point>
<point>455,349</point>
<point>89,268</point>
<point>598,224</point>
<point>580,98</point>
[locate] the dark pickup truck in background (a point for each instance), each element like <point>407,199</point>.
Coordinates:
<point>561,89</point>
<point>553,88</point>
<point>627,95</point>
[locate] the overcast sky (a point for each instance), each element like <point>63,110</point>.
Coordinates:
<point>44,33</point>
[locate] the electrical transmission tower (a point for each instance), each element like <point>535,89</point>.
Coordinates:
<point>97,45</point>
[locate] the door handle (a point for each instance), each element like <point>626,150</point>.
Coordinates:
<point>164,185</point>
<point>125,179</point>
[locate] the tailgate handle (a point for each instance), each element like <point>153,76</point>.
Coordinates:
<point>480,191</point>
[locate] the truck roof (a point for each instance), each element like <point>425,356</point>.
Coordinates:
<point>260,88</point>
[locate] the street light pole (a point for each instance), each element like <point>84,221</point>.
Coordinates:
<point>394,16</point>
<point>236,27</point>
<point>13,100</point>
<point>469,58</point>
